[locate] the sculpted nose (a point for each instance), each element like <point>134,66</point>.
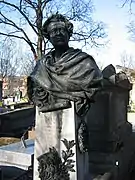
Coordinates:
<point>58,32</point>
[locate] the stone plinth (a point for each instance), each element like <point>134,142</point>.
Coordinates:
<point>53,127</point>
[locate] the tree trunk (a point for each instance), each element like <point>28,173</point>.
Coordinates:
<point>39,25</point>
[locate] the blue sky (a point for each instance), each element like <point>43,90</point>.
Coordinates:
<point>116,18</point>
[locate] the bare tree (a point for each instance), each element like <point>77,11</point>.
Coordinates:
<point>18,18</point>
<point>8,58</point>
<point>131,30</point>
<point>131,26</point>
<point>129,3</point>
<point>27,64</point>
<point>8,62</point>
<point>127,61</point>
<point>128,65</point>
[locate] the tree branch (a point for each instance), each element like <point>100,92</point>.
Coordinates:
<point>20,37</point>
<point>44,4</point>
<point>130,2</point>
<point>21,12</point>
<point>11,35</point>
<point>31,4</point>
<point>11,23</point>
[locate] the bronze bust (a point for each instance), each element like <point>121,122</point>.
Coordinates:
<point>64,74</point>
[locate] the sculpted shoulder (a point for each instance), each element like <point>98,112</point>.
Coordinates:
<point>74,56</point>
<point>89,57</point>
<point>84,53</point>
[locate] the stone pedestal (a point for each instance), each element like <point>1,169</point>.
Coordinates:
<point>53,127</point>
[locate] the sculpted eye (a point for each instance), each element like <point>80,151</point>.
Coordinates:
<point>62,30</point>
<point>53,31</point>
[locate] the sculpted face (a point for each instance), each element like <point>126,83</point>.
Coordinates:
<point>58,34</point>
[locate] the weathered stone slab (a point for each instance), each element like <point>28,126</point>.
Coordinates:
<point>16,155</point>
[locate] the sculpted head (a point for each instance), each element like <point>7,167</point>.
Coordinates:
<point>58,29</point>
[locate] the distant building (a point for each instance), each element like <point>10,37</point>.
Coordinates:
<point>11,84</point>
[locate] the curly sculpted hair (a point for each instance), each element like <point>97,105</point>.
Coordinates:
<point>57,18</point>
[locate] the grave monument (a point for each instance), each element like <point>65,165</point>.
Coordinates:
<point>62,86</point>
<point>111,141</point>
